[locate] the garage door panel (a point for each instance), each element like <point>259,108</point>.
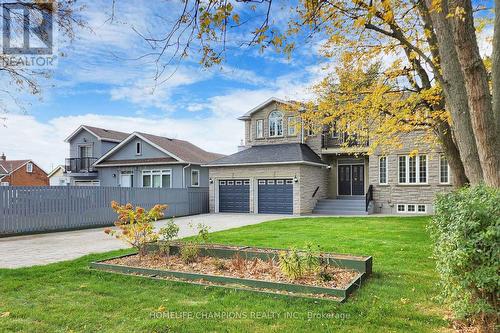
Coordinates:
<point>275,196</point>
<point>234,196</point>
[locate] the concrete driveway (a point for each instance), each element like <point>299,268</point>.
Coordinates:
<point>41,249</point>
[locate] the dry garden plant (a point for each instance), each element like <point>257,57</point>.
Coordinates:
<point>135,227</point>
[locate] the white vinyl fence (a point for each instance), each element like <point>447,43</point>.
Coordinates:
<point>43,208</point>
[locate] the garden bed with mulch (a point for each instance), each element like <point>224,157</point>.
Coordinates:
<point>256,269</point>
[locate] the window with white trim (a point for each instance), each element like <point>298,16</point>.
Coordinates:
<point>195,178</point>
<point>157,178</point>
<point>259,129</point>
<point>401,208</point>
<point>275,124</point>
<point>335,132</point>
<point>444,170</point>
<point>382,170</point>
<point>412,169</point>
<point>29,167</point>
<point>138,148</point>
<point>291,126</point>
<point>4,184</point>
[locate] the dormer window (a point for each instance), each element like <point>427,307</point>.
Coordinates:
<point>29,167</point>
<point>138,148</point>
<point>275,124</point>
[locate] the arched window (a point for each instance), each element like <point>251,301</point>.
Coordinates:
<point>275,123</point>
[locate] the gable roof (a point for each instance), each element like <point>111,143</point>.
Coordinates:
<point>2,170</point>
<point>288,153</point>
<point>271,100</point>
<point>57,168</point>
<point>12,165</point>
<point>180,150</point>
<point>100,133</point>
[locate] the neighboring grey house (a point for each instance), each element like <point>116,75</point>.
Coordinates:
<point>289,170</point>
<point>114,158</point>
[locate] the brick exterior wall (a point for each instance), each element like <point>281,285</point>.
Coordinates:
<point>388,196</point>
<point>309,177</point>
<point>22,178</point>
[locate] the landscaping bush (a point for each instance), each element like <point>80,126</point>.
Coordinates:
<point>135,224</point>
<point>466,235</point>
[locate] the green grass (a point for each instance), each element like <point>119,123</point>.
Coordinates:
<point>68,296</point>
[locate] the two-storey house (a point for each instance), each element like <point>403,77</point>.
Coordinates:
<point>287,169</point>
<point>110,158</point>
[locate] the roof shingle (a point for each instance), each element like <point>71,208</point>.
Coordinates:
<point>107,134</point>
<point>275,153</point>
<point>184,150</point>
<point>11,165</point>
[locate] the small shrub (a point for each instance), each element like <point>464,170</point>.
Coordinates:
<point>189,252</point>
<point>165,237</point>
<point>324,276</point>
<point>135,224</point>
<point>466,235</point>
<point>295,264</point>
<point>219,264</point>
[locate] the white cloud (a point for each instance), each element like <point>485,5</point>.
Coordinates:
<point>44,142</point>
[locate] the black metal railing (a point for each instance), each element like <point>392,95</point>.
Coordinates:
<point>343,140</point>
<point>80,164</point>
<point>368,197</point>
<point>315,191</point>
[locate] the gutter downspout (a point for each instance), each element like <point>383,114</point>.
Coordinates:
<point>184,175</point>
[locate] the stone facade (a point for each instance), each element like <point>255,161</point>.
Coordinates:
<point>309,178</point>
<point>314,141</point>
<point>387,197</point>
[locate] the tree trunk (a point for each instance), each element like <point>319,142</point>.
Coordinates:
<point>495,57</point>
<point>456,96</point>
<point>478,92</point>
<point>443,132</point>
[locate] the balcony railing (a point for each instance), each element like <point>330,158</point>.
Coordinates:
<point>343,140</point>
<point>80,165</point>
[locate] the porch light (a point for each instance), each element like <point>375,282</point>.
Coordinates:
<point>295,179</point>
<point>210,180</point>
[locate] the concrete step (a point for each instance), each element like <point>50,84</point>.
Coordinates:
<point>338,212</point>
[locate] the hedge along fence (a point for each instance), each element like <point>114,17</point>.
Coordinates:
<point>39,209</point>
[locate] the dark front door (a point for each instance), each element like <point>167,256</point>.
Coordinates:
<point>358,183</point>
<point>234,196</point>
<point>276,196</point>
<point>344,180</point>
<point>351,179</point>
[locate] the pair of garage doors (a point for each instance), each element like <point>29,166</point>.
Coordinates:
<point>275,196</point>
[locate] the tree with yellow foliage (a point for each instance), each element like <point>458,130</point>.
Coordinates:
<point>433,53</point>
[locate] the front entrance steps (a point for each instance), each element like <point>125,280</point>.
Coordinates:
<point>341,206</point>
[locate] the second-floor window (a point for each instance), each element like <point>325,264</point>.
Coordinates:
<point>259,129</point>
<point>138,148</point>
<point>29,167</point>
<point>291,126</point>
<point>382,169</point>
<point>412,169</point>
<point>275,124</point>
<point>444,170</point>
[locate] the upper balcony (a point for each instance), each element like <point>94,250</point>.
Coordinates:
<point>81,167</point>
<point>343,143</point>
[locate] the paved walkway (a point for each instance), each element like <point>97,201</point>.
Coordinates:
<point>41,249</point>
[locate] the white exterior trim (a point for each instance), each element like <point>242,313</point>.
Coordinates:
<point>128,139</point>
<point>248,114</point>
<point>135,164</point>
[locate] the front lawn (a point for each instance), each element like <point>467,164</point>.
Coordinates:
<point>69,297</point>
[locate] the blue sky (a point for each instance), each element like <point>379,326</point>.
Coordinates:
<point>97,83</point>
